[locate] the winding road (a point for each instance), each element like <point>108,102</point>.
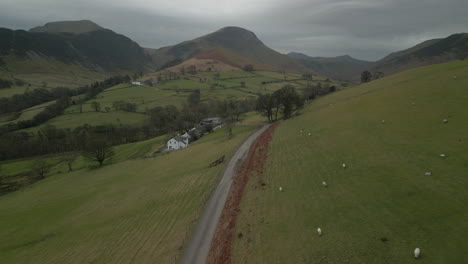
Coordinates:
<point>200,243</point>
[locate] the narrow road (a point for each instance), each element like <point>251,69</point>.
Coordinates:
<point>199,246</point>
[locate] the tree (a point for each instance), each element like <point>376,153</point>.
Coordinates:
<point>287,99</point>
<point>248,67</point>
<point>69,158</point>
<point>98,150</point>
<point>265,105</point>
<point>96,106</point>
<point>40,168</point>
<point>366,76</point>
<point>378,75</point>
<point>193,99</point>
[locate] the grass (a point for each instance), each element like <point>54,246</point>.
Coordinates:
<point>37,70</point>
<point>136,211</point>
<point>382,206</point>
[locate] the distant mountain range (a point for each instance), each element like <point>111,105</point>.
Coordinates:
<point>341,68</point>
<point>102,50</point>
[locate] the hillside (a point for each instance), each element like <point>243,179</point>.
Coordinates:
<point>79,42</point>
<point>389,133</point>
<point>340,68</point>
<point>429,52</point>
<point>138,210</point>
<point>235,40</point>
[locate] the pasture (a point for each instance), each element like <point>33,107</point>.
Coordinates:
<point>135,211</point>
<point>389,133</point>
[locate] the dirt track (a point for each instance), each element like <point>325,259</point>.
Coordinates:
<point>199,246</point>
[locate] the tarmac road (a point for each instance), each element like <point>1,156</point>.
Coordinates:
<point>199,246</point>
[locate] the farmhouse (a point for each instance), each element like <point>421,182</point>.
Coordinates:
<point>137,83</point>
<point>178,142</point>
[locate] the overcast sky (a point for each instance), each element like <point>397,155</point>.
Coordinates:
<point>365,29</point>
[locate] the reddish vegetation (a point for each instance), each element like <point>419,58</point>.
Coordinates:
<point>220,252</point>
<point>218,55</point>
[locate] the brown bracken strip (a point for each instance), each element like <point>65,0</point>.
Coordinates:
<point>220,251</point>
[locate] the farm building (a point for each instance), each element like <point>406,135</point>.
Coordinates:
<point>137,83</point>
<point>212,121</point>
<point>178,142</point>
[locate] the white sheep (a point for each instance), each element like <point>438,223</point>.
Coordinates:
<point>454,77</point>
<point>310,134</point>
<point>280,189</point>
<point>344,166</point>
<point>445,121</point>
<point>324,184</point>
<point>319,231</point>
<point>417,253</point>
<point>383,121</point>
<point>443,155</point>
<point>428,173</point>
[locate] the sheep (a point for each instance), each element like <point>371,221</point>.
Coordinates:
<point>417,253</point>
<point>428,173</point>
<point>383,121</point>
<point>310,134</point>
<point>442,155</point>
<point>280,189</point>
<point>319,231</point>
<point>344,166</point>
<point>324,184</point>
<point>455,77</point>
<point>445,121</point>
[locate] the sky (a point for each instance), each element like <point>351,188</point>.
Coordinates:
<point>364,29</point>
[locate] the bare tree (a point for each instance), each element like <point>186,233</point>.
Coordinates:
<point>96,106</point>
<point>98,150</point>
<point>40,168</point>
<point>69,158</point>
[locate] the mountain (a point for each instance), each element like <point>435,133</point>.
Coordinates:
<point>236,45</point>
<point>340,68</point>
<point>429,52</point>
<point>76,27</point>
<point>75,42</point>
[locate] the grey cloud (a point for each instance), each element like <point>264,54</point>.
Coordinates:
<point>365,29</point>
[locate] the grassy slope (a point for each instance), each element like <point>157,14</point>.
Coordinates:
<point>38,70</point>
<point>138,211</point>
<point>383,193</point>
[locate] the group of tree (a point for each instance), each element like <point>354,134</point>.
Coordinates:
<point>284,101</point>
<point>367,76</point>
<point>5,83</point>
<point>312,91</point>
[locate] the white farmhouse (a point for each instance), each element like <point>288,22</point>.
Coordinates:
<point>178,142</point>
<point>137,83</point>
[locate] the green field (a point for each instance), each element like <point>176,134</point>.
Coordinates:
<point>136,211</point>
<point>172,92</point>
<point>382,206</point>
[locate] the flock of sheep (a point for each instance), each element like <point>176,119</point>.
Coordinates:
<point>417,251</point>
